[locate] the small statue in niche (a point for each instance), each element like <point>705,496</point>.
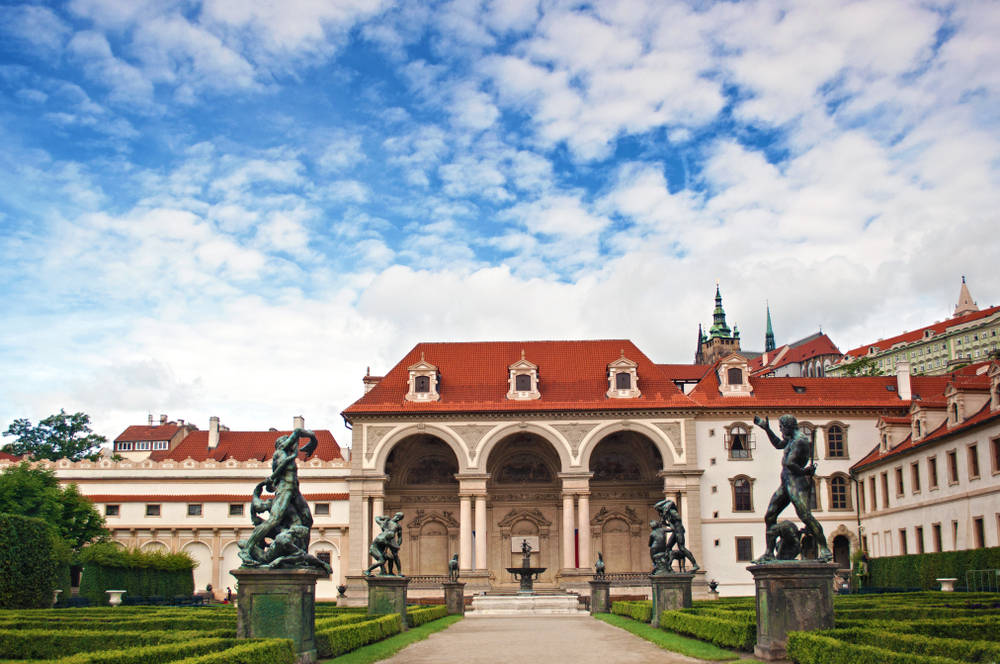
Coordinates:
<point>599,566</point>
<point>453,568</point>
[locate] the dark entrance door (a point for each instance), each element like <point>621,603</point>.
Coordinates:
<point>842,551</point>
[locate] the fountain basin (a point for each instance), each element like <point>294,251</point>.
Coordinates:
<point>527,576</point>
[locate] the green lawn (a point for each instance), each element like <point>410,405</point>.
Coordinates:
<point>668,640</point>
<point>387,648</point>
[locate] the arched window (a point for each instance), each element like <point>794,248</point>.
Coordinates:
<point>840,496</point>
<point>522,383</point>
<point>738,442</point>
<point>835,442</point>
<point>735,376</point>
<point>422,384</point>
<point>742,495</point>
<point>917,425</point>
<point>623,381</point>
<point>814,496</point>
<point>810,431</point>
<point>954,413</point>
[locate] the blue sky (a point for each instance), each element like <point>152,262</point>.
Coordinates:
<point>233,208</point>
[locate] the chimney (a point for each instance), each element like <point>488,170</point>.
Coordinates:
<point>213,432</point>
<point>903,379</point>
<point>150,419</point>
<point>370,380</point>
<point>298,422</point>
<point>163,420</point>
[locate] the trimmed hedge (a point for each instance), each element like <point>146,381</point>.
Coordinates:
<point>160,654</point>
<point>27,561</point>
<point>337,621</point>
<point>739,632</point>
<point>923,569</point>
<point>419,617</point>
<point>959,649</point>
<point>641,611</point>
<point>812,648</point>
<point>52,644</point>
<point>262,651</point>
<point>986,628</point>
<point>103,624</point>
<point>142,573</point>
<point>338,640</point>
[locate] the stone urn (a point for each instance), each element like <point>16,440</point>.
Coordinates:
<point>55,597</point>
<point>341,589</point>
<point>115,596</point>
<point>713,585</point>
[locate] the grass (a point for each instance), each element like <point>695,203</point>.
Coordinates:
<point>386,648</point>
<point>669,640</point>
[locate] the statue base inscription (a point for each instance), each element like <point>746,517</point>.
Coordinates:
<point>600,597</point>
<point>454,597</point>
<point>279,604</point>
<point>792,596</point>
<point>670,592</point>
<point>387,594</point>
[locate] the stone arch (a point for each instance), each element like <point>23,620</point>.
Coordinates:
<point>431,535</point>
<point>841,529</point>
<point>155,545</point>
<point>326,589</point>
<point>229,559</point>
<point>545,432</point>
<point>202,553</point>
<point>668,453</point>
<point>391,439</point>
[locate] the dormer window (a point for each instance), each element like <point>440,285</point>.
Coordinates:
<point>623,379</point>
<point>917,429</point>
<point>423,381</point>
<point>523,380</point>
<point>735,377</point>
<point>733,372</point>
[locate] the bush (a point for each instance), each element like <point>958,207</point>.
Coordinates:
<point>958,649</point>
<point>257,651</point>
<point>51,644</point>
<point>160,654</point>
<point>27,563</point>
<point>739,631</point>
<point>419,617</point>
<point>142,573</point>
<point>811,648</point>
<point>337,621</point>
<point>641,611</point>
<point>108,624</point>
<point>924,568</point>
<point>338,640</point>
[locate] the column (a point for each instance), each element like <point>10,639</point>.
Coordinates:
<point>569,549</point>
<point>378,509</point>
<point>480,533</point>
<point>584,530</point>
<point>366,524</point>
<point>465,533</point>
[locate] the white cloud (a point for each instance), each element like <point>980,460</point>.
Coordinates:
<point>342,153</point>
<point>36,28</point>
<point>126,83</point>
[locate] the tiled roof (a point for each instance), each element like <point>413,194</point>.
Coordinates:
<point>474,377</point>
<point>143,432</point>
<point>198,497</point>
<point>242,446</point>
<point>684,371</point>
<point>820,345</point>
<point>897,420</point>
<point>4,456</point>
<point>779,392</point>
<point>916,335</point>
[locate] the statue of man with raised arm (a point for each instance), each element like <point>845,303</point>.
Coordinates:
<point>797,472</point>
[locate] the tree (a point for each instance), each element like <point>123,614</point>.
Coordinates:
<point>56,437</point>
<point>35,492</point>
<point>865,366</point>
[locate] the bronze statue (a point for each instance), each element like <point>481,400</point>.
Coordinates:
<point>289,520</point>
<point>385,546</point>
<point>789,539</point>
<point>658,548</point>
<point>669,516</point>
<point>599,566</point>
<point>453,568</point>
<point>797,474</point>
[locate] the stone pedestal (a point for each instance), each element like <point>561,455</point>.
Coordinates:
<point>387,594</point>
<point>794,596</point>
<point>600,596</point>
<point>454,597</point>
<point>279,604</point>
<point>947,585</point>
<point>670,592</point>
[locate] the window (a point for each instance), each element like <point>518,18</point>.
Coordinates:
<point>623,381</point>
<point>954,535</point>
<point>973,462</point>
<point>954,414</point>
<point>152,510</point>
<point>839,495</point>
<point>161,444</point>
<point>916,424</point>
<point>835,442</point>
<point>936,534</point>
<point>194,510</point>
<point>522,382</point>
<point>885,490</point>
<point>814,495</point>
<point>236,509</point>
<point>899,482</point>
<point>324,556</point>
<point>915,477</point>
<point>980,532</point>
<point>932,479</point>
<point>810,432</point>
<point>861,495</point>
<point>738,442</point>
<point>124,447</point>
<point>918,535</point>
<point>143,446</point>
<point>904,549</point>
<point>952,467</point>
<point>744,549</point>
<point>735,376</point>
<point>322,509</point>
<point>742,495</point>
<point>112,510</point>
<point>871,485</point>
<point>422,384</point>
<point>995,451</point>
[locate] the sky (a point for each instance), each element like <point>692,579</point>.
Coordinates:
<point>235,207</point>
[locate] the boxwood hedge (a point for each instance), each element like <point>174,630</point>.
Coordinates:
<point>27,561</point>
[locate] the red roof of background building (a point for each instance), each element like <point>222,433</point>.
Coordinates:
<point>199,497</point>
<point>573,375</point>
<point>916,335</point>
<point>821,345</point>
<point>142,432</point>
<point>4,456</point>
<point>684,371</point>
<point>242,446</point>
<point>897,420</point>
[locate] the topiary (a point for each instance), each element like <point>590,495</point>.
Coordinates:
<point>27,563</point>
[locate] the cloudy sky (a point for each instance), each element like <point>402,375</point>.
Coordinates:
<point>233,207</point>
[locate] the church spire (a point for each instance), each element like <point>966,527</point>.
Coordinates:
<point>966,305</point>
<point>769,336</point>
<point>719,327</point>
<point>699,353</point>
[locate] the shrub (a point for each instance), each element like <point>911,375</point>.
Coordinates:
<point>338,640</point>
<point>641,611</point>
<point>108,624</point>
<point>27,563</point>
<point>740,631</point>
<point>922,569</point>
<point>50,644</point>
<point>160,654</point>
<point>965,651</point>
<point>419,617</point>
<point>336,621</point>
<point>145,573</point>
<point>257,651</point>
<point>811,648</point>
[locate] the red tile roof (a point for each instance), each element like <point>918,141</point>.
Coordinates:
<point>143,432</point>
<point>198,497</point>
<point>916,335</point>
<point>243,445</point>
<point>897,420</point>
<point>684,371</point>
<point>4,456</point>
<point>821,345</point>
<point>474,377</point>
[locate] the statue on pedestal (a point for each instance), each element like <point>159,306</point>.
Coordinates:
<point>667,510</point>
<point>453,568</point>
<point>385,547</point>
<point>289,520</point>
<point>599,566</point>
<point>797,472</point>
